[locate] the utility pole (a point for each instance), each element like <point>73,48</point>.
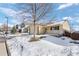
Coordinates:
<point>6,31</point>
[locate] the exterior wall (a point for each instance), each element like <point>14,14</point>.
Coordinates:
<point>39,29</point>
<point>31,29</point>
<point>42,30</point>
<point>66,26</point>
<point>62,27</point>
<point>49,28</point>
<point>55,32</point>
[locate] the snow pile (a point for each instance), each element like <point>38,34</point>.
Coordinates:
<point>56,23</point>
<point>15,45</point>
<point>49,46</point>
<point>59,41</point>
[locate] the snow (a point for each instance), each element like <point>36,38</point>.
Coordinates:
<point>48,46</point>
<point>60,41</point>
<point>56,23</point>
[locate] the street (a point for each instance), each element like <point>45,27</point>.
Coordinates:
<point>3,51</point>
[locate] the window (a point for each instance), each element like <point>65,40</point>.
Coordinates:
<point>56,28</point>
<point>50,28</point>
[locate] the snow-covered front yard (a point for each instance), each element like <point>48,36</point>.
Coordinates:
<point>48,46</point>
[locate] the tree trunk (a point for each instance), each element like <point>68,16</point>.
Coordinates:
<point>34,18</point>
<point>34,30</point>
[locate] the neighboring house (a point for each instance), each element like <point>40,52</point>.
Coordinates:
<point>5,28</point>
<point>21,28</point>
<point>18,28</point>
<point>58,27</point>
<point>25,29</point>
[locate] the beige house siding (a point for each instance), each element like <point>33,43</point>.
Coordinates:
<point>39,29</point>
<point>62,26</point>
<point>31,29</point>
<point>66,26</point>
<point>49,28</point>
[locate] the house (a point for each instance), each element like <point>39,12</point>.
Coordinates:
<point>58,27</point>
<point>25,29</point>
<point>5,28</point>
<point>21,28</point>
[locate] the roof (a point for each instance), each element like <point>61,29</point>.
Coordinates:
<point>26,26</point>
<point>36,24</point>
<point>56,23</point>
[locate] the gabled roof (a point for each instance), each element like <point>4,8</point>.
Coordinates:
<point>56,23</point>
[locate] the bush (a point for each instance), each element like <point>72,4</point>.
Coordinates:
<point>74,35</point>
<point>66,33</point>
<point>13,31</point>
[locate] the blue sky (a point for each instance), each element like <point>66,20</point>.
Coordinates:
<point>60,11</point>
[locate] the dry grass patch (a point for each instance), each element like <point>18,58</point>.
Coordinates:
<point>36,38</point>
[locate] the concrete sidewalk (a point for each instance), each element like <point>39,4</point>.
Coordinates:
<point>3,51</point>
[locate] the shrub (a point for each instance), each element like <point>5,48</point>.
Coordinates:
<point>13,31</point>
<point>74,35</point>
<point>66,33</point>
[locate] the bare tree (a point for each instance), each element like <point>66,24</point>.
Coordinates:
<point>37,12</point>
